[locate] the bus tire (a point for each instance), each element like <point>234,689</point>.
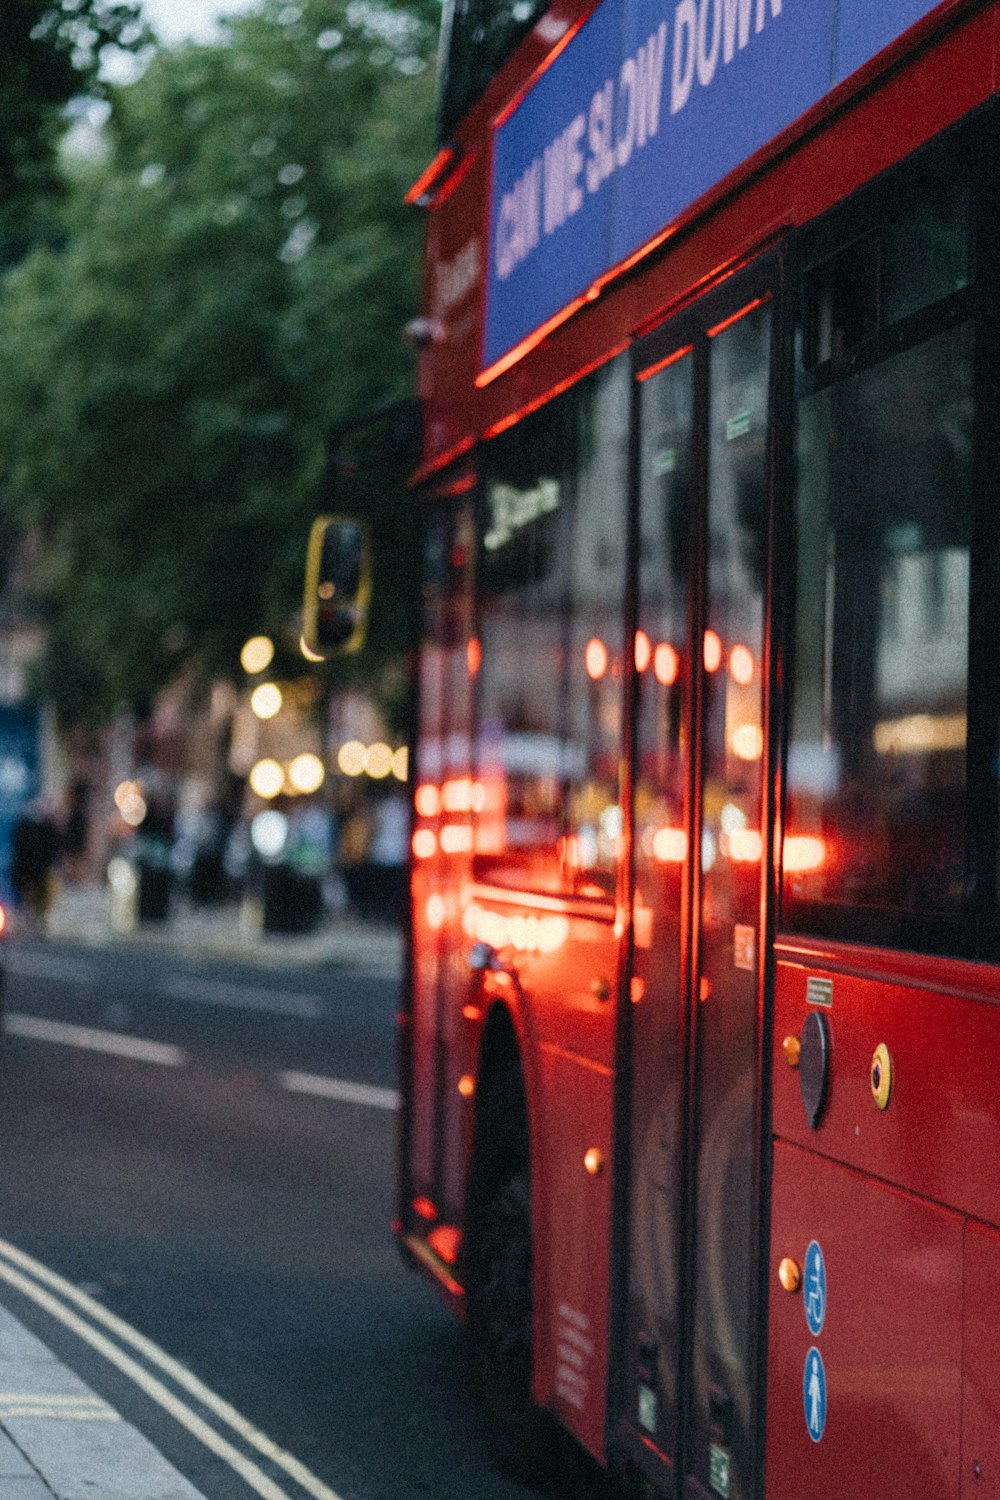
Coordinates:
<point>520,1438</point>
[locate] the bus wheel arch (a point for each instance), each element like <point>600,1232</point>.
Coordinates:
<point>499,1259</point>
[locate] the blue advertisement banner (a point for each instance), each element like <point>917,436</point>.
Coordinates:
<point>650,105</point>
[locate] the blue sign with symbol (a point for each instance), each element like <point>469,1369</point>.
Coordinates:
<point>815,1288</point>
<point>814,1394</point>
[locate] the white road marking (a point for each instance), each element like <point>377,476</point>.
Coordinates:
<point>241,997</point>
<point>49,966</point>
<point>340,1089</point>
<point>154,1388</point>
<point>115,1042</point>
<point>59,1408</point>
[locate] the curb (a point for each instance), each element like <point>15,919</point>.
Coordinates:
<point>59,1441</point>
<point>85,916</point>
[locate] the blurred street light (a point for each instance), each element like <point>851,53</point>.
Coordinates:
<point>269,833</point>
<point>266,700</point>
<point>130,802</point>
<point>257,654</point>
<point>351,758</point>
<point>267,778</point>
<point>306,772</point>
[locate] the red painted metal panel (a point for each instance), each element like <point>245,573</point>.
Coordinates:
<point>573,1247</point>
<point>891,1341</point>
<point>454,279</point>
<point>940,1135</point>
<point>981,1348</point>
<point>565,1026</point>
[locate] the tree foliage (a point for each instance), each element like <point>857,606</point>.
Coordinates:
<point>230,291</point>
<point>50,52</point>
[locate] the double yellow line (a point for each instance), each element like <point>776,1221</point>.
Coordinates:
<point>87,1318</point>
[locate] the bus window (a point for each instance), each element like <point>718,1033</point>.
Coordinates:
<point>551,581</point>
<point>928,250</point>
<point>877,754</point>
<point>477,37</point>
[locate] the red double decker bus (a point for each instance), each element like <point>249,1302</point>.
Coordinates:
<point>700,1057</point>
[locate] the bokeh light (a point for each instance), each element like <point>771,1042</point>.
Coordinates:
<point>257,654</point>
<point>307,772</point>
<point>267,778</point>
<point>266,700</point>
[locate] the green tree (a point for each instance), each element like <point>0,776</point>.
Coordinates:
<point>50,52</point>
<point>230,290</point>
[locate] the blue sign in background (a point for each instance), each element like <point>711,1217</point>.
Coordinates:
<point>723,89</point>
<point>20,774</point>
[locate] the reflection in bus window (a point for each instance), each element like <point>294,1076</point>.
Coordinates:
<point>549,735</point>
<point>877,756</point>
<point>663,679</point>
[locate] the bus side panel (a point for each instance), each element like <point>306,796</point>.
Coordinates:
<point>869,1401</point>
<point>562,1008</point>
<point>939,1135</point>
<point>981,1395</point>
<point>571,1377</point>
<point>567,1014</point>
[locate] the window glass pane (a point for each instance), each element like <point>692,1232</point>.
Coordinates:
<point>593,688</point>
<point>662,775</point>
<point>524,530</point>
<point>928,251</point>
<point>551,582</point>
<point>876,767</point>
<point>477,38</point>
<point>843,301</point>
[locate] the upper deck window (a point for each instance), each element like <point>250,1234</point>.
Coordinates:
<point>477,37</point>
<point>882,822</point>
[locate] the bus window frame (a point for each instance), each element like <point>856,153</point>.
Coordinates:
<point>974,931</point>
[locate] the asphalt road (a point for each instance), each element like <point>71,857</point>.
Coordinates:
<point>228,1192</point>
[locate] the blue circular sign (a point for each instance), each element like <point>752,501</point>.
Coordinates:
<point>814,1290</point>
<point>814,1394</point>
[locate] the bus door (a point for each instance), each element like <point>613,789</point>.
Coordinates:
<point>691,1104</point>
<point>432,1153</point>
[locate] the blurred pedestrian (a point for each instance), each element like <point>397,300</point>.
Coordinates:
<point>34,862</point>
<point>76,830</point>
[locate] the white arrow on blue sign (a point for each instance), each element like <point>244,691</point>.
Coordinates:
<point>814,1394</point>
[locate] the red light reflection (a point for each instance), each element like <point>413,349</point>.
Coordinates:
<point>424,843</point>
<point>713,651</point>
<point>596,659</point>
<point>670,846</point>
<point>802,853</point>
<point>643,651</point>
<point>745,846</point>
<point>427,800</point>
<point>666,664</point>
<point>741,665</point>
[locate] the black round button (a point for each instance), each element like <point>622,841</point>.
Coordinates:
<point>814,1066</point>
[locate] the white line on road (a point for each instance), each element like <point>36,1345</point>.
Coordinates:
<point>154,1388</point>
<point>340,1089</point>
<point>115,1042</point>
<point>241,997</point>
<point>49,966</point>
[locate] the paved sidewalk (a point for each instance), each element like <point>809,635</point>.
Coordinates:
<point>58,1439</point>
<point>83,913</point>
